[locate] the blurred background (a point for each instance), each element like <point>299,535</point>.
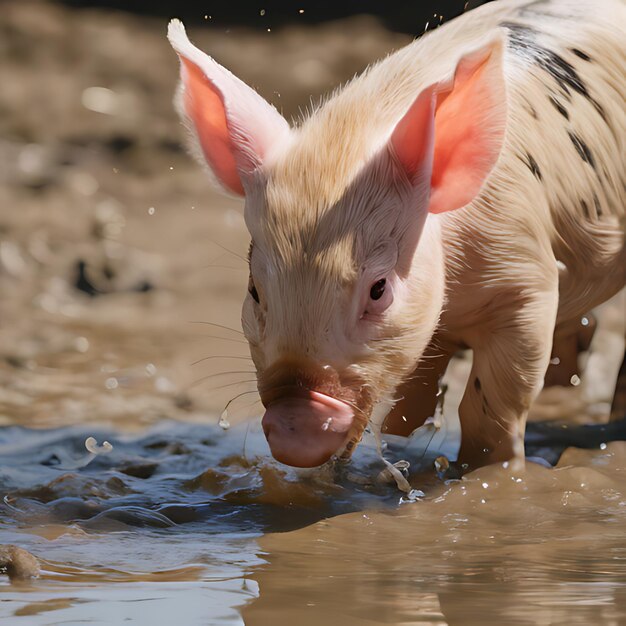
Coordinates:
<point>112,244</point>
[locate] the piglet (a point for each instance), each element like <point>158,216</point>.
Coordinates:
<point>465,192</point>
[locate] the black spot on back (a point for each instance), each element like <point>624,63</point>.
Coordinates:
<point>523,39</point>
<point>477,384</point>
<point>582,55</point>
<point>559,107</point>
<point>582,148</point>
<point>531,164</point>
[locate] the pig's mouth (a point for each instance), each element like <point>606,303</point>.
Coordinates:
<point>305,428</point>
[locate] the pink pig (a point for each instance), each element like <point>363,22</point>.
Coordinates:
<point>467,191</point>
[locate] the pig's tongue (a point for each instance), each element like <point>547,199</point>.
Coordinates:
<point>306,430</point>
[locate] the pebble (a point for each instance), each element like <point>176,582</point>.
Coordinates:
<point>17,563</point>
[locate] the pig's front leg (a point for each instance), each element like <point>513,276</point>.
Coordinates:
<point>511,354</point>
<point>417,397</point>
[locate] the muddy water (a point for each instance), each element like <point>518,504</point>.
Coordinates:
<point>111,245</point>
<point>190,518</point>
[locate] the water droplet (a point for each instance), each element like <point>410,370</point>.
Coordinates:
<point>412,496</point>
<point>111,383</point>
<point>485,485</point>
<point>603,446</point>
<point>575,380</point>
<point>151,210</point>
<point>262,12</point>
<point>100,100</point>
<point>164,385</point>
<point>81,344</point>
<point>585,321</point>
<point>326,424</point>
<point>223,421</point>
<point>92,446</point>
<point>151,369</point>
<point>555,361</point>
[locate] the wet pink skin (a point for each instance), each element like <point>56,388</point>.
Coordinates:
<point>307,428</point>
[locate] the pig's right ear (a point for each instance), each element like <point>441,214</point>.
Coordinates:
<point>452,135</point>
<point>234,126</point>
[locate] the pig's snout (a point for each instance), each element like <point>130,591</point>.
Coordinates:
<point>307,428</point>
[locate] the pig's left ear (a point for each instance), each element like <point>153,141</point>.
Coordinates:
<point>234,126</point>
<point>453,133</point>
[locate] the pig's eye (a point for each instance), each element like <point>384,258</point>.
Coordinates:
<point>378,289</point>
<point>252,290</point>
<point>380,299</point>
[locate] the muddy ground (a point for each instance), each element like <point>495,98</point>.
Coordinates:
<point>97,192</point>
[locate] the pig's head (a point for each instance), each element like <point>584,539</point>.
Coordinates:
<point>346,269</point>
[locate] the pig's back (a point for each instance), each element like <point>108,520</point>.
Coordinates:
<point>566,74</point>
<point>561,177</point>
<point>565,69</point>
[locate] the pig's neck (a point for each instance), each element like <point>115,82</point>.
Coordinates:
<point>467,259</point>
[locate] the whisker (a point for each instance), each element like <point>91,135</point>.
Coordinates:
<point>219,245</point>
<point>245,440</point>
<point>238,396</point>
<point>207,358</point>
<point>233,330</point>
<point>239,382</point>
<point>428,445</point>
<point>215,374</point>
<point>231,339</point>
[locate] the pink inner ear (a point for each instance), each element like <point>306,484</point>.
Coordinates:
<point>469,128</point>
<point>205,107</point>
